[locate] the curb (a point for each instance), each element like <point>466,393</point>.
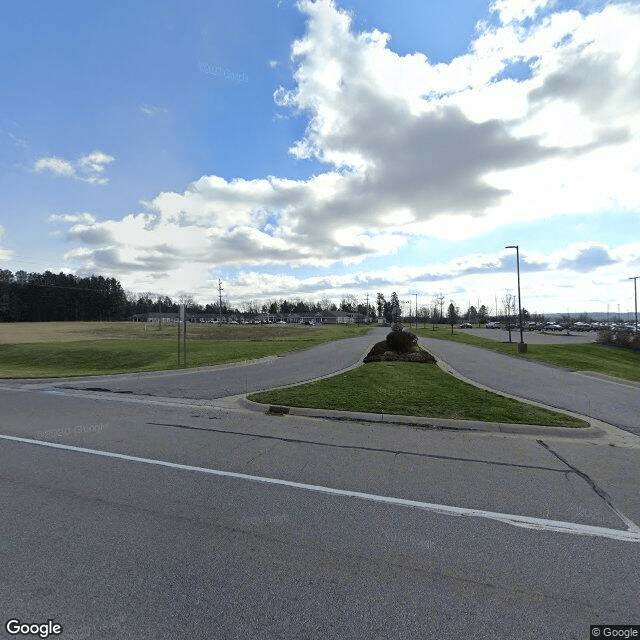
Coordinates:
<point>423,422</point>
<point>596,429</point>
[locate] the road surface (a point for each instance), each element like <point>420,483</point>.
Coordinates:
<point>132,516</point>
<point>616,402</point>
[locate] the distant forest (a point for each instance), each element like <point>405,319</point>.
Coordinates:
<point>37,297</point>
<point>43,297</point>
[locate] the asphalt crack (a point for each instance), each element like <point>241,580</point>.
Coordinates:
<point>103,390</point>
<point>394,452</point>
<point>599,491</point>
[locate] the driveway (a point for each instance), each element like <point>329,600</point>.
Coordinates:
<point>231,379</point>
<point>617,403</point>
<point>154,518</point>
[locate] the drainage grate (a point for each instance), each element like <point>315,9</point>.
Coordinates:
<point>277,411</point>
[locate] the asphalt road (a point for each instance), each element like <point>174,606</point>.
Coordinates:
<point>235,378</point>
<point>127,521</point>
<point>614,402</point>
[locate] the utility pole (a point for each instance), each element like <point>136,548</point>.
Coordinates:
<point>220,290</point>
<point>635,296</point>
<point>521,347</point>
<point>184,334</point>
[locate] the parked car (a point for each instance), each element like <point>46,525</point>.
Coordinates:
<point>581,326</point>
<point>492,325</point>
<point>466,325</point>
<point>552,327</point>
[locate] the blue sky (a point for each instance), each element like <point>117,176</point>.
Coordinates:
<point>323,149</point>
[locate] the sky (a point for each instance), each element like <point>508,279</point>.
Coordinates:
<point>325,149</point>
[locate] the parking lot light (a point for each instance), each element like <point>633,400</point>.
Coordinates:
<point>521,347</point>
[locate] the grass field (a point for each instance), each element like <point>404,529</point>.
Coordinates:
<point>55,349</point>
<point>405,388</point>
<point>613,361</point>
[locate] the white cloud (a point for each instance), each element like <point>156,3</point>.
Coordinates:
<point>517,10</point>
<point>57,166</point>
<point>152,111</point>
<point>448,150</point>
<point>85,217</point>
<point>5,254</point>
<point>88,168</point>
<point>18,141</point>
<point>582,272</point>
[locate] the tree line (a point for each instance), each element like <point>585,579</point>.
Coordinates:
<point>48,296</point>
<point>40,297</point>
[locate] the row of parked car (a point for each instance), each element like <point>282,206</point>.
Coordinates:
<point>552,326</point>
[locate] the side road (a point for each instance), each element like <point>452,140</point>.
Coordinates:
<point>228,379</point>
<point>616,403</point>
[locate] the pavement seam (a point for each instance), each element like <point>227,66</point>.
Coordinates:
<point>360,448</point>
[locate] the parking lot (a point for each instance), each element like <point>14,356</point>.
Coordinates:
<point>534,337</point>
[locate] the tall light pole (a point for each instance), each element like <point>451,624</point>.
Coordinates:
<point>416,295</point>
<point>635,295</point>
<point>522,348</point>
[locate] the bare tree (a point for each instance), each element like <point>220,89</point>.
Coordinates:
<point>438,300</point>
<point>509,306</point>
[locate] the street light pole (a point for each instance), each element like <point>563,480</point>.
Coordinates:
<point>416,295</point>
<point>521,347</point>
<point>635,295</point>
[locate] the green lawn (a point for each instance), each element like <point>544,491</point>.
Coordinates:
<point>613,361</point>
<point>405,388</point>
<point>108,348</point>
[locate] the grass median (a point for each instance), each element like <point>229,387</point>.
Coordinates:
<point>38,350</point>
<point>612,361</point>
<point>409,389</point>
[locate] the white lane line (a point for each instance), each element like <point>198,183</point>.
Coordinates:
<point>525,522</point>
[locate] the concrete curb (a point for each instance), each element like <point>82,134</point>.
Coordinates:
<point>422,422</point>
<point>595,430</point>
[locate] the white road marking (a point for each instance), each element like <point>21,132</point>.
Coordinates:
<point>525,522</point>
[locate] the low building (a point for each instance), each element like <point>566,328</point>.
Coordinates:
<point>156,316</point>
